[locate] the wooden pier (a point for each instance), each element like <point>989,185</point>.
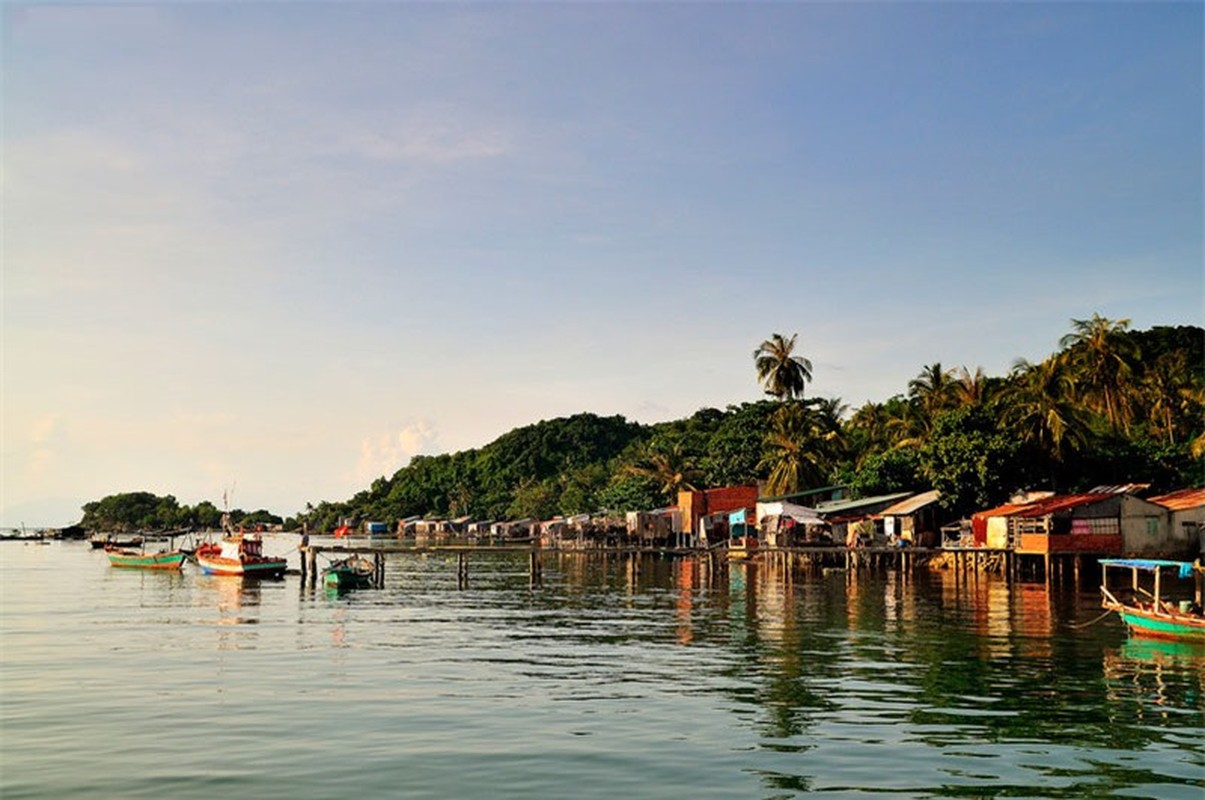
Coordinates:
<point>965,563</point>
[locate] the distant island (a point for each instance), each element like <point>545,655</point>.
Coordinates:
<point>1111,406</point>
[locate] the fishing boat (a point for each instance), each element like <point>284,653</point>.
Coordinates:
<point>354,572</point>
<point>239,554</point>
<point>128,557</point>
<point>100,542</point>
<point>1149,613</point>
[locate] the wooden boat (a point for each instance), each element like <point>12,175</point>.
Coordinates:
<point>354,572</point>
<point>126,557</point>
<point>104,542</point>
<point>1147,613</point>
<point>239,554</point>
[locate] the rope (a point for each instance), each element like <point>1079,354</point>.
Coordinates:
<point>1108,611</point>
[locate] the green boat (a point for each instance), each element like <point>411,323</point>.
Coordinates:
<point>354,572</point>
<point>1148,613</point>
<point>126,557</point>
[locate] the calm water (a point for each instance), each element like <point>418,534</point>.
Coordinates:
<point>675,682</point>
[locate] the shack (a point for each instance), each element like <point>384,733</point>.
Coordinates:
<point>1186,520</point>
<point>785,524</point>
<point>1093,523</point>
<point>914,520</point>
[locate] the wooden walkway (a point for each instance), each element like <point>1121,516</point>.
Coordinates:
<point>970,561</point>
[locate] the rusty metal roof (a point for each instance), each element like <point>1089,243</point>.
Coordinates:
<point>1182,499</point>
<point>1006,510</point>
<point>1063,502</point>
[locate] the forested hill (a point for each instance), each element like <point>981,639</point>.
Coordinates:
<point>1110,406</point>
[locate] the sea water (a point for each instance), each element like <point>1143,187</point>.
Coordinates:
<point>608,678</point>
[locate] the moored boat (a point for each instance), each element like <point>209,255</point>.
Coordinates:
<point>239,554</point>
<point>127,557</point>
<point>1148,613</point>
<point>354,572</point>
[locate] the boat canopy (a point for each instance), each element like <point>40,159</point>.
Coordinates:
<point>1149,564</point>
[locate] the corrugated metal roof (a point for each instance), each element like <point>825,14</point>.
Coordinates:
<point>1006,510</point>
<point>1063,502</point>
<point>1121,488</point>
<point>1182,499</point>
<point>837,506</point>
<point>911,505</point>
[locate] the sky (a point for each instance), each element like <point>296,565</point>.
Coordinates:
<point>276,250</point>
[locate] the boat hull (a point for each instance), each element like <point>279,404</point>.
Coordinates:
<point>172,560</point>
<point>348,575</point>
<point>1170,627</point>
<point>268,568</point>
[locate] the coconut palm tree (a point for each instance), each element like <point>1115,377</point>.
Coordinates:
<point>1102,362</point>
<point>667,464</point>
<point>969,389</point>
<point>933,389</point>
<point>799,449</point>
<point>1040,406</point>
<point>783,373</point>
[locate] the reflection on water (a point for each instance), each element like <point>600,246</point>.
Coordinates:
<point>654,677</point>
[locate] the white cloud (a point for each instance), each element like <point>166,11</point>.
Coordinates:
<point>392,451</point>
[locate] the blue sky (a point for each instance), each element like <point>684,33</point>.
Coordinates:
<point>283,247</point>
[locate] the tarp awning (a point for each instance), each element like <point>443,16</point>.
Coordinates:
<point>784,509</point>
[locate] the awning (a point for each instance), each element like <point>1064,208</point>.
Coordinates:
<point>798,513</point>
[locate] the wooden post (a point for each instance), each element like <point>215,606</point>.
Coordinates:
<point>304,551</point>
<point>313,553</point>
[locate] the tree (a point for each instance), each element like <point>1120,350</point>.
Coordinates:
<point>970,460</point>
<point>1102,359</point>
<point>970,389</point>
<point>667,465</point>
<point>783,374</point>
<point>1040,407</point>
<point>932,390</point>
<point>801,446</point>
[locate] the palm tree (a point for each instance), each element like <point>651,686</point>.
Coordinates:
<point>667,464</point>
<point>1041,407</point>
<point>798,449</point>
<point>968,389</point>
<point>1102,362</point>
<point>932,390</point>
<point>869,428</point>
<point>784,374</point>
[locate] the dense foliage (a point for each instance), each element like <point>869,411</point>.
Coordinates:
<point>1111,406</point>
<point>144,511</point>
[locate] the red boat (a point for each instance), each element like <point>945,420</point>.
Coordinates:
<point>240,554</point>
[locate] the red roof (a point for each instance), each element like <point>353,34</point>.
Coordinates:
<point>1181,500</point>
<point>1006,510</point>
<point>1063,502</point>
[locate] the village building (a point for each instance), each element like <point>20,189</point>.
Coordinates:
<point>855,522</point>
<point>704,513</point>
<point>786,524</point>
<point>914,520</point>
<point>661,527</point>
<point>1186,519</point>
<point>1097,523</point>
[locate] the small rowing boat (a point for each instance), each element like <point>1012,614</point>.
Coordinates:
<point>128,557</point>
<point>354,572</point>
